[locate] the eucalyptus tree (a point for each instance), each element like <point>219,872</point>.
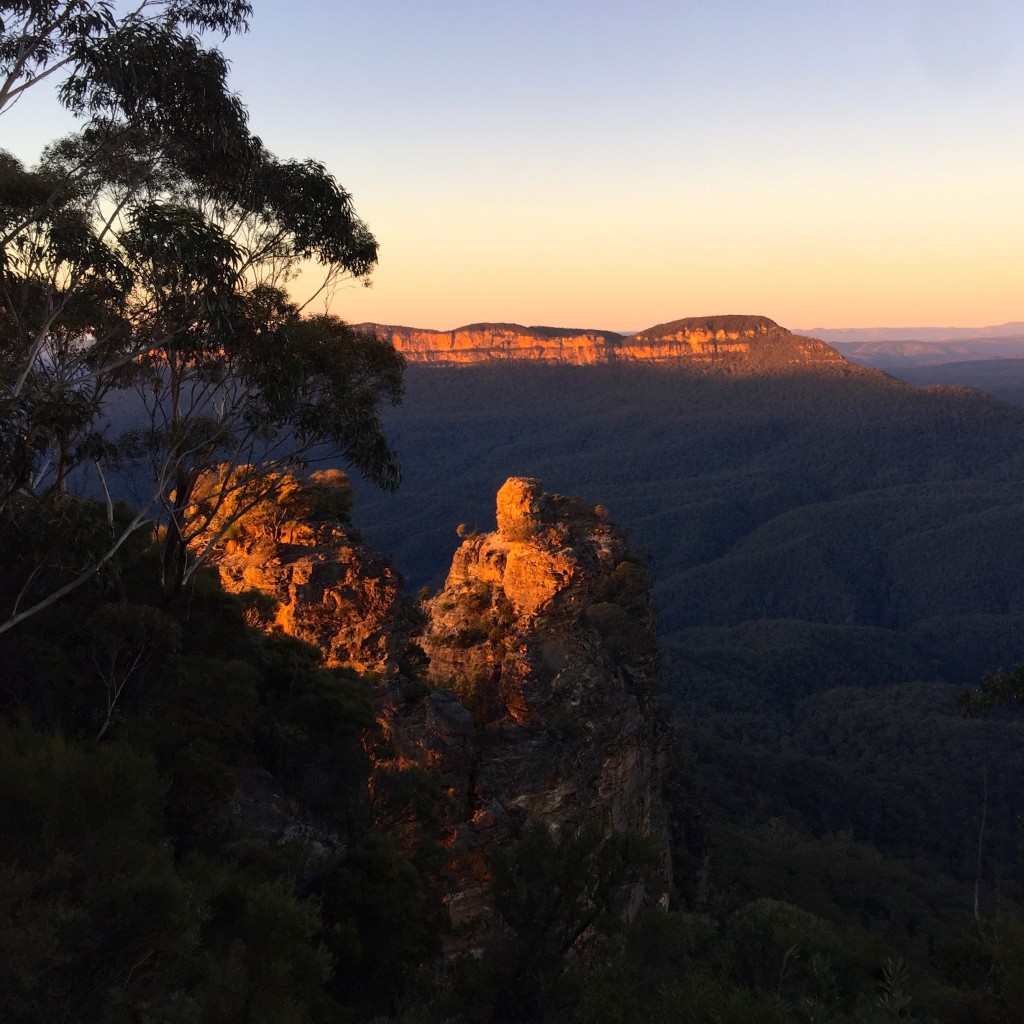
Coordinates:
<point>151,250</point>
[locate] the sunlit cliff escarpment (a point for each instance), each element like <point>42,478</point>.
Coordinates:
<point>730,342</point>
<point>480,343</point>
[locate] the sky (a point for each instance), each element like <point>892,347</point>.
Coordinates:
<point>587,163</point>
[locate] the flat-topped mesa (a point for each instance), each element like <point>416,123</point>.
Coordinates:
<point>730,343</point>
<point>733,343</point>
<point>700,336</point>
<point>485,343</point>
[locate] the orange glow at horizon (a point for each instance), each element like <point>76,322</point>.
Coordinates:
<point>821,252</point>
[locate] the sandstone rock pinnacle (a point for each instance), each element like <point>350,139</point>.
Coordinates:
<point>544,631</point>
<point>520,508</point>
<point>538,701</point>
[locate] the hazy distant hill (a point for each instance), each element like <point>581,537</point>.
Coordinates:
<point>1003,378</point>
<point>834,335</point>
<point>832,549</point>
<point>995,365</point>
<point>894,355</point>
<point>893,348</point>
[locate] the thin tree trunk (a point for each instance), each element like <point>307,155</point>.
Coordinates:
<point>981,836</point>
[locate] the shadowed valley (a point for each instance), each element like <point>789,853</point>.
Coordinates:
<point>835,555</point>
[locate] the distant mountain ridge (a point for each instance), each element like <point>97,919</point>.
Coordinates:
<point>892,355</point>
<point>731,343</point>
<point>851,335</point>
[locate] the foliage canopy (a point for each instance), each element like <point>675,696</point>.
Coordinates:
<point>143,278</point>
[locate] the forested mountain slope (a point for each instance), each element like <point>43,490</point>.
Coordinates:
<point>1003,378</point>
<point>830,489</point>
<point>833,551</point>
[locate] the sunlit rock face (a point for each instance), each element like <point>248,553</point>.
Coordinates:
<point>483,343</point>
<point>700,339</point>
<point>544,630</point>
<point>331,591</point>
<point>730,343</point>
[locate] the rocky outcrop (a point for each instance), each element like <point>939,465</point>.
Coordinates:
<point>329,589</point>
<point>259,808</point>
<point>544,630</point>
<point>332,592</point>
<point>534,700</point>
<point>731,343</point>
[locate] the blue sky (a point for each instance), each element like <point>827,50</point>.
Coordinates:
<point>824,163</point>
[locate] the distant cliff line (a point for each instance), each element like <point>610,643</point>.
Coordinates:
<point>730,341</point>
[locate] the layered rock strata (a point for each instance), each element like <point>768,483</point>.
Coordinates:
<point>729,343</point>
<point>479,343</point>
